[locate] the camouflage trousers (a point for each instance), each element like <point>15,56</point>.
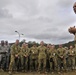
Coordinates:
<point>42,64</point>
<point>71,62</point>
<point>33,63</point>
<point>61,64</point>
<point>14,63</point>
<point>53,64</point>
<point>24,63</point>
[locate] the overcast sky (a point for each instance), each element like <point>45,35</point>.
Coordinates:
<point>46,20</point>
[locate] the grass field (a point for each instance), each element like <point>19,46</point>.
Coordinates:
<point>35,73</point>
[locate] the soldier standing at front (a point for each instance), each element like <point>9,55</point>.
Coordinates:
<point>42,56</point>
<point>53,58</point>
<point>3,55</point>
<point>24,53</point>
<point>7,54</point>
<point>15,51</point>
<point>61,58</point>
<point>34,57</point>
<point>71,59</point>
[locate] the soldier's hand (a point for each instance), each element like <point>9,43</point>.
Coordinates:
<point>70,54</point>
<point>61,57</point>
<point>25,55</point>
<point>16,55</point>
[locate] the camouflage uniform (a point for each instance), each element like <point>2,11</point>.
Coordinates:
<point>33,58</point>
<point>24,53</point>
<point>42,57</point>
<point>67,57</point>
<point>14,60</point>
<point>61,58</point>
<point>7,55</point>
<point>3,56</point>
<point>71,54</point>
<point>53,59</point>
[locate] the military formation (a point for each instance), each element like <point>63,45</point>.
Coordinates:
<point>41,59</point>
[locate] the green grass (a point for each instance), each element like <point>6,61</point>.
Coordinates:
<point>35,73</point>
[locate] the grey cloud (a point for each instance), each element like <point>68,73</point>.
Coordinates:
<point>4,13</point>
<point>53,38</point>
<point>57,35</point>
<point>4,3</point>
<point>65,3</point>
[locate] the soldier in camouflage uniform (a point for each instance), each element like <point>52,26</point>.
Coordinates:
<point>3,55</point>
<point>71,54</point>
<point>67,57</point>
<point>7,54</point>
<point>42,56</point>
<point>53,58</point>
<point>14,59</point>
<point>24,53</point>
<point>61,58</point>
<point>34,57</point>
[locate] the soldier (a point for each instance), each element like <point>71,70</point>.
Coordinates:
<point>14,59</point>
<point>71,54</point>
<point>53,58</point>
<point>24,53</point>
<point>28,56</point>
<point>7,54</point>
<point>34,57</point>
<point>67,57</point>
<point>42,56</point>
<point>3,55</point>
<point>47,58</point>
<point>61,58</point>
